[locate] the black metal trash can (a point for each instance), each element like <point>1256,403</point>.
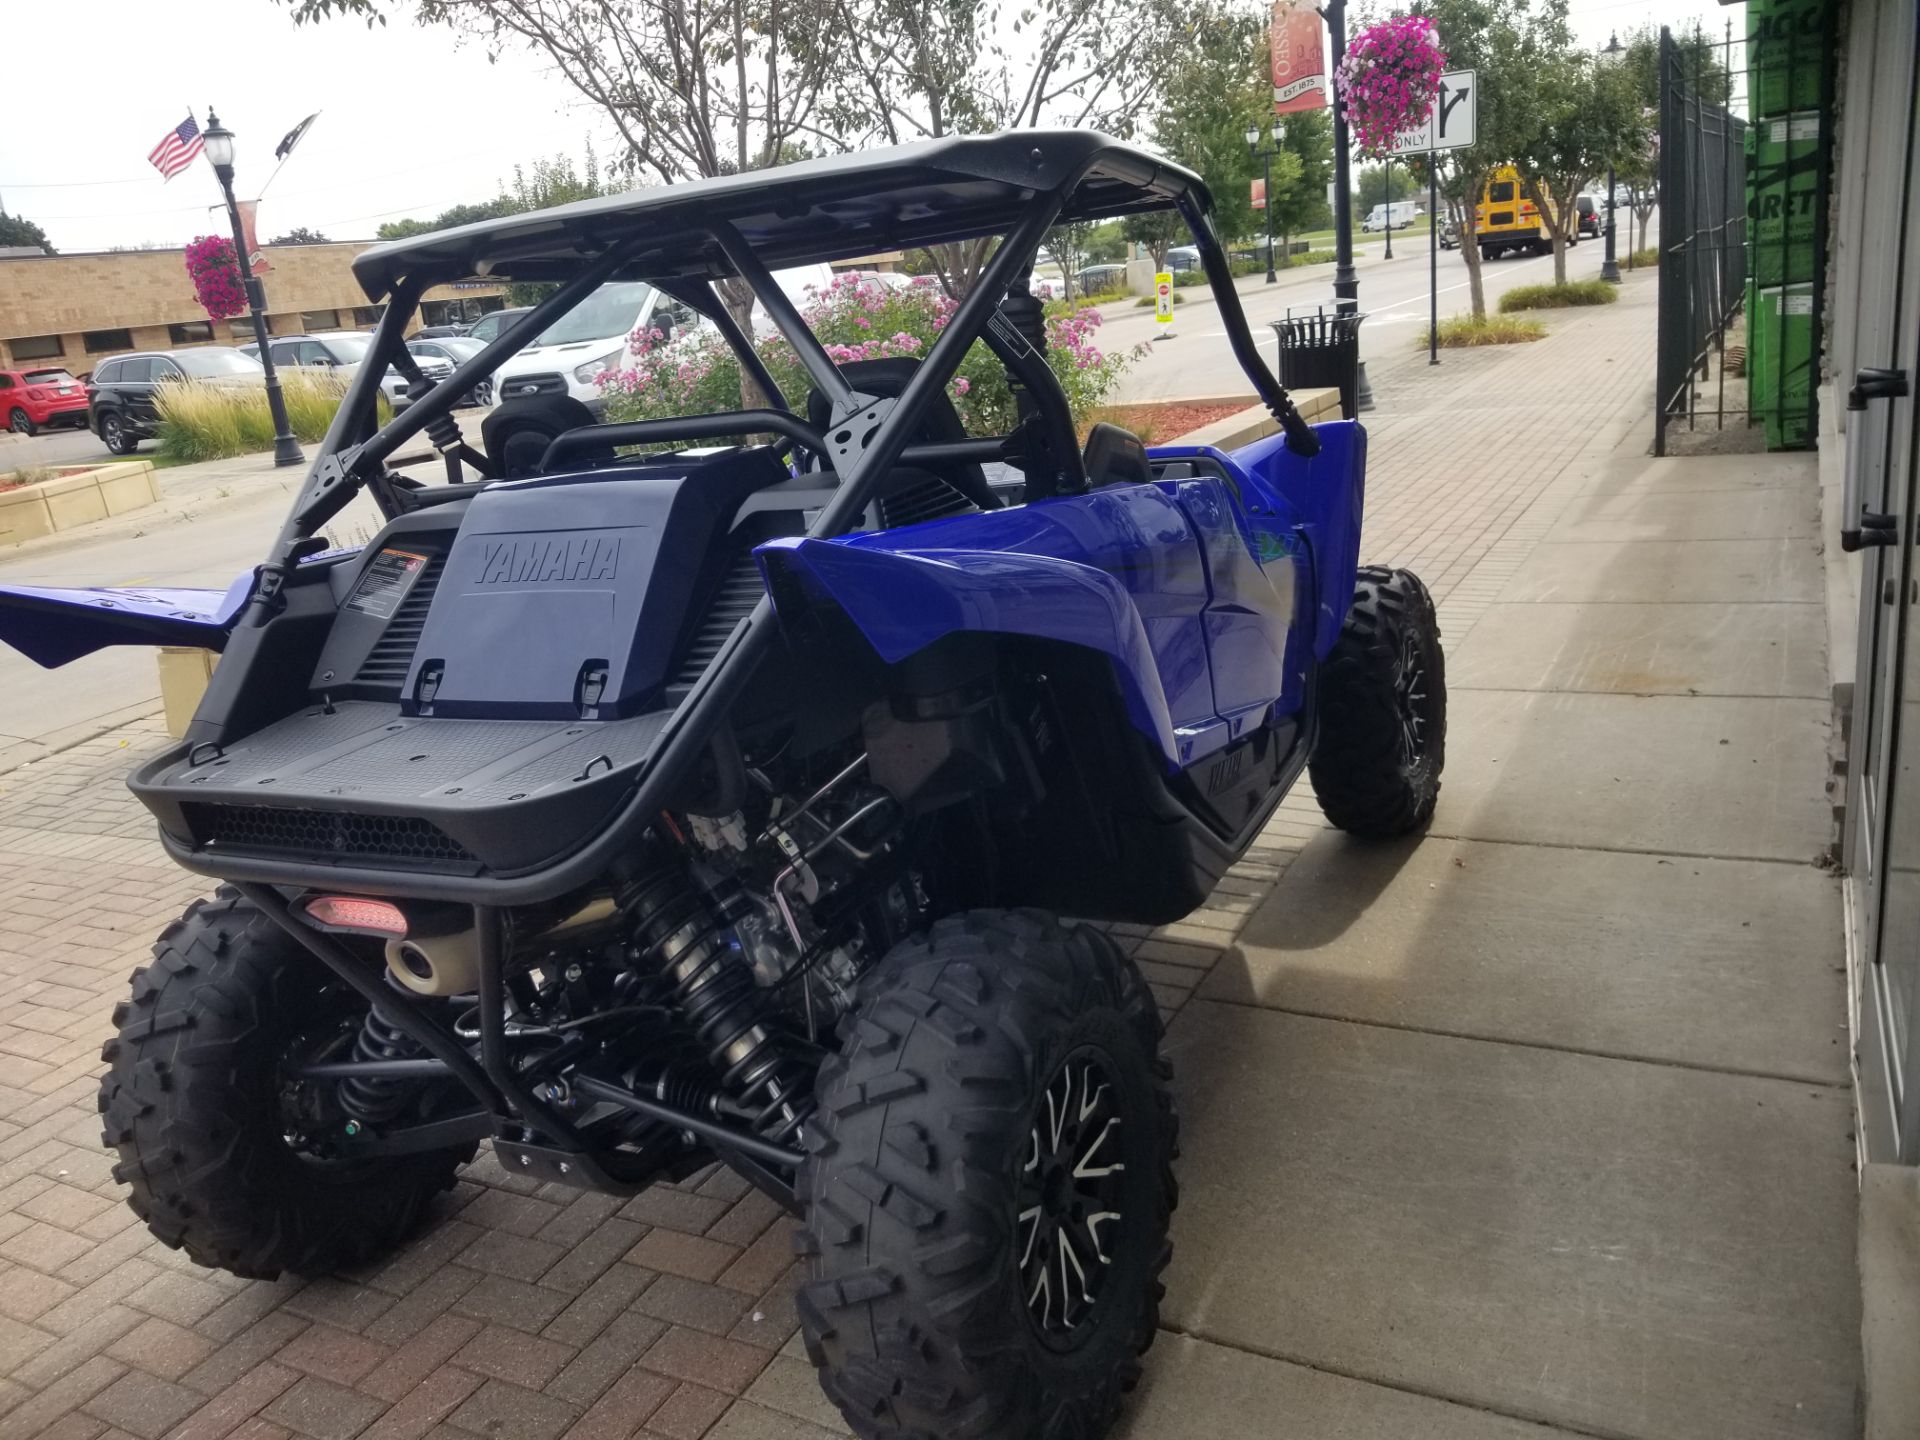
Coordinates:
<point>1321,347</point>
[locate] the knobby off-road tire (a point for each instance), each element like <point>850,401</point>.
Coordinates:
<point>193,1101</point>
<point>1383,710</point>
<point>935,1169</point>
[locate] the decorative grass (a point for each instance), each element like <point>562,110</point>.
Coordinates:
<point>1463,330</point>
<point>199,421</point>
<point>1647,259</point>
<point>1558,297</point>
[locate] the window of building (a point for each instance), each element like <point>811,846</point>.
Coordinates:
<point>319,319</point>
<point>241,329</point>
<point>365,315</point>
<point>190,332</point>
<point>98,340</point>
<point>36,347</point>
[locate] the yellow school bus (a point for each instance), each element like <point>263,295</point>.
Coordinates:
<point>1505,219</point>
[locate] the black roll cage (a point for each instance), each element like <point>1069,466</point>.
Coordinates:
<point>354,453</point>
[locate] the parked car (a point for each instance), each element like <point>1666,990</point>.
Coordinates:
<point>340,352</point>
<point>439,332</point>
<point>489,326</point>
<point>1593,213</point>
<point>1183,257</point>
<point>1095,278</point>
<point>44,398</point>
<point>1449,234</point>
<point>452,351</point>
<point>121,392</point>
<point>570,355</point>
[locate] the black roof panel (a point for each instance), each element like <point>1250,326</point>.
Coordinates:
<point>816,210</point>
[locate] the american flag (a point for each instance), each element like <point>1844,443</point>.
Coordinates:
<point>177,148</point>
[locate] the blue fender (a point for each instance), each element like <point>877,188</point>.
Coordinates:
<point>52,625</point>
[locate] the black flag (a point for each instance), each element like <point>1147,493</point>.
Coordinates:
<point>285,147</point>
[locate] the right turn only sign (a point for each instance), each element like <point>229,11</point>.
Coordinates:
<point>1451,125</point>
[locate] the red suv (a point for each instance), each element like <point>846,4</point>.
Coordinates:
<point>30,399</point>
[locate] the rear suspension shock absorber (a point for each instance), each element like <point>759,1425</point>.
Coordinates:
<point>374,1100</point>
<point>690,940</point>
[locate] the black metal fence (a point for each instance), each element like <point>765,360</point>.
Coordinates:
<point>1745,147</point>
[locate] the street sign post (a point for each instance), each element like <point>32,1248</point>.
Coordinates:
<point>1451,125</point>
<point>1163,300</point>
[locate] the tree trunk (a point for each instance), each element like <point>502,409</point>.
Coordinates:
<point>1470,252</point>
<point>737,296</point>
<point>1559,254</point>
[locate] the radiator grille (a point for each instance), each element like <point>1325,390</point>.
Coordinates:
<point>324,834</point>
<point>731,604</point>
<point>387,663</point>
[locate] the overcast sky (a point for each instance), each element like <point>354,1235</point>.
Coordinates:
<point>90,89</point>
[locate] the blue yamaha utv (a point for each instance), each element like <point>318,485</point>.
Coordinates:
<point>716,787</point>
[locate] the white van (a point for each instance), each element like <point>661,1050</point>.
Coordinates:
<point>570,355</point>
<point>1397,216</point>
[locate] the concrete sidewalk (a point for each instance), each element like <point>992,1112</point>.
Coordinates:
<point>1536,1127</point>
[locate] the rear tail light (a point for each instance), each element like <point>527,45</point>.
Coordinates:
<point>356,912</point>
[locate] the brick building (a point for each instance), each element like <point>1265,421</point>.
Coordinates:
<point>77,310</point>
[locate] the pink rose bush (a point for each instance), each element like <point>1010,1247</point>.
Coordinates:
<point>1389,79</point>
<point>215,272</point>
<point>857,318</point>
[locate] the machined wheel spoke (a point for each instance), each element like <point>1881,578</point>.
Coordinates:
<point>1068,1184</point>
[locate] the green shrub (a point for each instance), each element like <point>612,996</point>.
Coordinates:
<point>858,319</point>
<point>1145,300</point>
<point>201,421</point>
<point>1313,257</point>
<point>1464,330</point>
<point>1556,297</point>
<point>1647,259</point>
<point>1186,279</point>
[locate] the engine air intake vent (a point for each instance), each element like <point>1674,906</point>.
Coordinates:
<point>927,499</point>
<point>325,834</point>
<point>731,604</point>
<point>387,663</point>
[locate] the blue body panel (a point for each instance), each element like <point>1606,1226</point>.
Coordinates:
<point>53,625</point>
<point>1211,595</point>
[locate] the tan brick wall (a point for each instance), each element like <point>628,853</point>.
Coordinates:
<point>145,291</point>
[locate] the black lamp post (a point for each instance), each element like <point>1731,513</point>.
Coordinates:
<point>219,146</point>
<point>1273,149</point>
<point>1387,195</point>
<point>1346,282</point>
<point>1609,267</point>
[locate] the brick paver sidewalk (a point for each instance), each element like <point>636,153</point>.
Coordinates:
<point>532,1312</point>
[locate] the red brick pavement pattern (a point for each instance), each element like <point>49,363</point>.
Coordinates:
<point>533,1312</point>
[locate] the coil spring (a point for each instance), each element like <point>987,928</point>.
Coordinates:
<point>378,1099</point>
<point>690,940</point>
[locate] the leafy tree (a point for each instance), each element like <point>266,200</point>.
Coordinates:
<point>1067,245</point>
<point>1591,116</point>
<point>300,235</point>
<point>1510,43</point>
<point>15,230</point>
<point>1382,184</point>
<point>456,215</point>
<point>1300,198</point>
<point>1214,88</point>
<point>1159,231</point>
<point>1107,243</point>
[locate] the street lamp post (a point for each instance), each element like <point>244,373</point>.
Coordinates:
<point>1610,267</point>
<point>1253,148</point>
<point>1346,283</point>
<point>219,145</point>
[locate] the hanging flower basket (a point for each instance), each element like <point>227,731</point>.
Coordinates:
<point>1388,80</point>
<point>216,277</point>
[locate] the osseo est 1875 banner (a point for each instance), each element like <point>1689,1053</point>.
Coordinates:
<point>1297,39</point>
